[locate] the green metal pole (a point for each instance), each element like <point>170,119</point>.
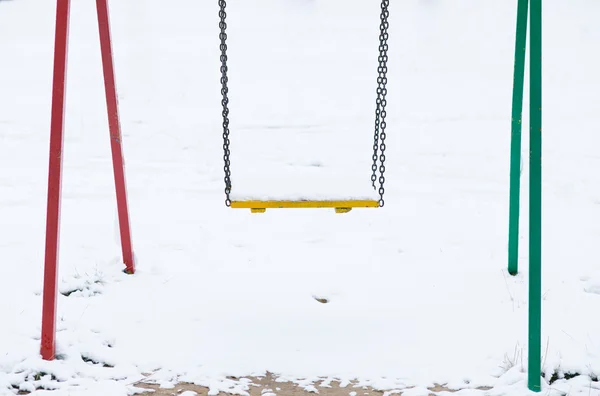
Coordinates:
<point>515,140</point>
<point>535,199</point>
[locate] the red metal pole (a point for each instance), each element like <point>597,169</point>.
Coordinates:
<point>48,342</point>
<point>115,133</point>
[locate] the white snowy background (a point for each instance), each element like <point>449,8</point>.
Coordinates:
<point>419,292</point>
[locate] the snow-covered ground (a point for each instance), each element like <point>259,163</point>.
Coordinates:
<point>419,292</point>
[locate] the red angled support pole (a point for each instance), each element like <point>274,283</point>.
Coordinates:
<point>114,125</point>
<point>55,180</point>
<point>48,340</point>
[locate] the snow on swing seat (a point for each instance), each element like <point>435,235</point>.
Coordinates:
<point>308,186</point>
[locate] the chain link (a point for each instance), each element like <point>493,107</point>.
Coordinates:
<point>380,112</point>
<point>376,141</point>
<point>225,100</point>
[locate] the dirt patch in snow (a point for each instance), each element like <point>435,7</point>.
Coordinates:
<point>266,386</point>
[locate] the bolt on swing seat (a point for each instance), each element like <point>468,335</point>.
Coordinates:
<point>340,205</point>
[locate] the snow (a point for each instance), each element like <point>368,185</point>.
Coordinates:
<point>418,290</point>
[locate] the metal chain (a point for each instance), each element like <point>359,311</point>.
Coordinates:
<point>225,100</point>
<point>380,112</point>
<point>376,141</point>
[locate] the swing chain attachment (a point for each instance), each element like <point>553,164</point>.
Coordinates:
<point>225,100</point>
<point>380,112</point>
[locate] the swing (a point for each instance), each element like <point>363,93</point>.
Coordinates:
<point>340,206</point>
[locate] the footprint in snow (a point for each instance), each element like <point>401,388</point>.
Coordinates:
<point>321,299</point>
<point>591,284</point>
<point>593,288</point>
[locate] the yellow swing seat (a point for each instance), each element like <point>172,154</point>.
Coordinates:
<point>340,206</point>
